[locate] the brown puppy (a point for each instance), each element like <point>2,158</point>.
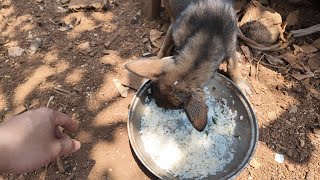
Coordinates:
<point>205,34</point>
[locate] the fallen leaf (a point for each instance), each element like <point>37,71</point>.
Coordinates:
<point>297,49</point>
<point>316,43</point>
<point>300,77</point>
<point>292,18</point>
<point>307,48</point>
<point>15,51</point>
<point>246,51</point>
<point>122,90</point>
<point>314,62</point>
<point>289,57</point>
<point>313,92</point>
<point>155,34</point>
<point>109,41</point>
<point>274,60</point>
<point>155,37</point>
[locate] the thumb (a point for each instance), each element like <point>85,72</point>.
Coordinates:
<point>66,146</point>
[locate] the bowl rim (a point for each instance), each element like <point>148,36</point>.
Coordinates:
<point>254,139</point>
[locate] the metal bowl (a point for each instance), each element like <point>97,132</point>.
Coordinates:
<point>247,128</point>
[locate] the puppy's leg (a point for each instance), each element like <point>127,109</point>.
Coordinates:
<point>235,74</point>
<point>167,45</point>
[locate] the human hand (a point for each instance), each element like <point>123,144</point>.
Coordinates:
<point>31,140</point>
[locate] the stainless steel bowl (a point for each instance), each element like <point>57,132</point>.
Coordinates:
<point>247,128</point>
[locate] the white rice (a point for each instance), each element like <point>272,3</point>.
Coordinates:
<point>175,146</point>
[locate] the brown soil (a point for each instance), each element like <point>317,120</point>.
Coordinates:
<point>94,102</point>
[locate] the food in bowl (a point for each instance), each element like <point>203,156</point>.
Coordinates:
<point>175,146</point>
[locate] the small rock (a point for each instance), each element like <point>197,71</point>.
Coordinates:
<point>93,53</point>
<point>98,5</point>
<point>293,119</point>
<point>134,20</point>
<point>64,1</point>
<point>41,8</point>
<point>290,167</point>
<point>85,48</point>
<point>21,177</point>
<point>272,115</point>
<point>35,45</point>
<point>146,54</point>
<point>70,45</point>
<point>279,158</point>
<point>290,153</point>
<point>293,109</point>
<point>39,1</point>
<point>139,13</point>
<point>310,176</point>
<point>108,52</point>
<point>254,163</point>
<point>15,51</point>
<point>145,40</point>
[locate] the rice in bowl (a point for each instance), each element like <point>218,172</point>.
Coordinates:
<point>176,147</point>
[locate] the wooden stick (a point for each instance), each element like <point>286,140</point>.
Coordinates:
<point>306,31</point>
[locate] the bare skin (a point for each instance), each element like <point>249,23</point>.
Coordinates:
<point>31,140</point>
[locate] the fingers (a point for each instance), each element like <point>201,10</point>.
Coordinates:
<point>65,121</point>
<point>65,146</point>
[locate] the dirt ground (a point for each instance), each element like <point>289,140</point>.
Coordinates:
<point>72,56</point>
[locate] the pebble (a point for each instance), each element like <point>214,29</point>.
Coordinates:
<point>310,176</point>
<point>293,119</point>
<point>39,1</point>
<point>293,109</point>
<point>279,158</point>
<point>290,167</point>
<point>15,51</point>
<point>272,115</point>
<point>64,1</point>
<point>254,163</point>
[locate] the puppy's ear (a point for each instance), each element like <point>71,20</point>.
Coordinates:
<point>150,68</point>
<point>197,111</point>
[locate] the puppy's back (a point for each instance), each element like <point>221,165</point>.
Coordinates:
<point>205,31</point>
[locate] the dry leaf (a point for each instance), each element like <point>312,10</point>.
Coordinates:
<point>316,43</point>
<point>292,18</point>
<point>246,52</point>
<point>300,77</point>
<point>307,48</point>
<point>289,57</point>
<point>155,34</point>
<point>274,61</point>
<point>313,92</point>
<point>122,90</point>
<point>314,62</point>
<point>297,49</point>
